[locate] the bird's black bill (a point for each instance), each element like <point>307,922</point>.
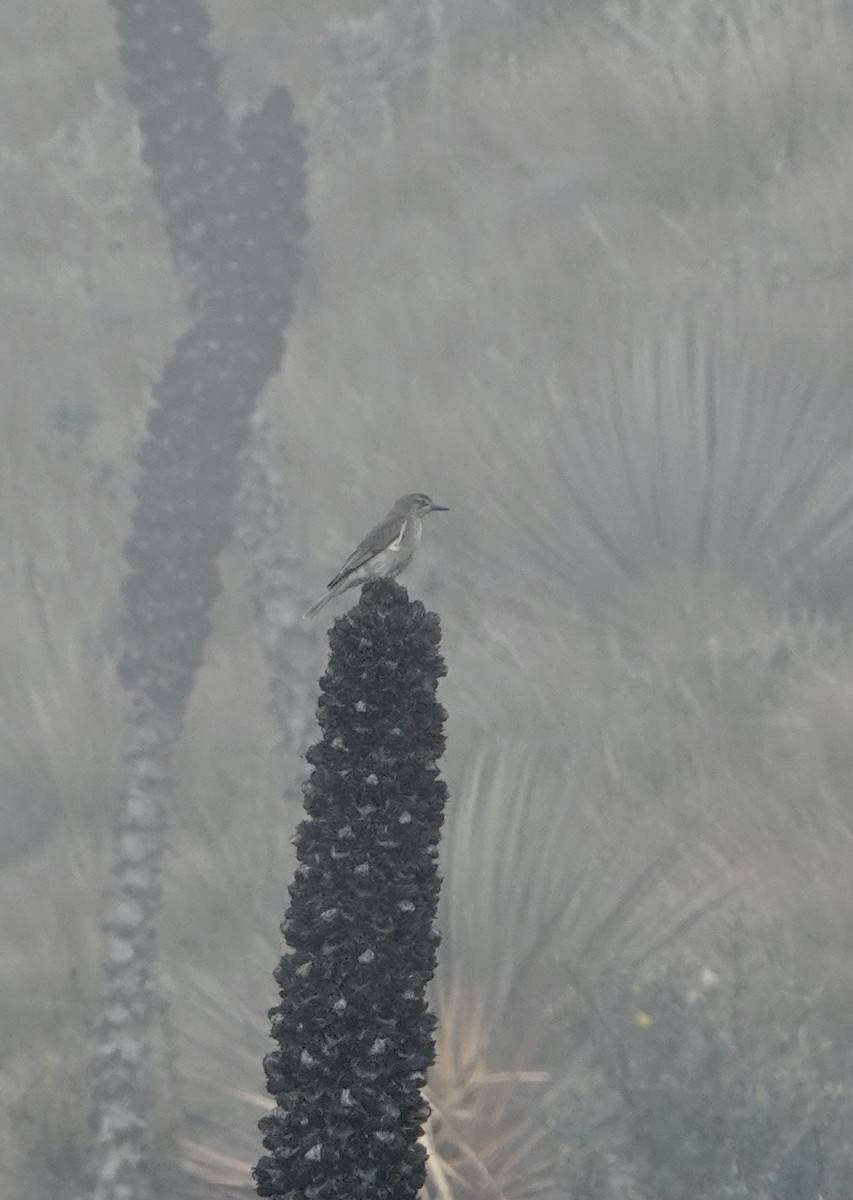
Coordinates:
<point>440,508</point>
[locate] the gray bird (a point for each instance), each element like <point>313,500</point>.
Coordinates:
<point>386,550</point>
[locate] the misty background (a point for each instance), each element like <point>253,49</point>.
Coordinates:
<point>582,272</point>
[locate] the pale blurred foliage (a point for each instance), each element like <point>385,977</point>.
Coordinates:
<point>535,238</point>
<point>60,704</point>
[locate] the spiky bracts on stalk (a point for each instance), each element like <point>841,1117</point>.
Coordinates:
<point>354,1035</point>
<point>233,213</point>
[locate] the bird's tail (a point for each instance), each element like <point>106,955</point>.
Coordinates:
<point>315,608</point>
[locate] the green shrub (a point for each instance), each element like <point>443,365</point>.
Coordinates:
<point>720,1093</point>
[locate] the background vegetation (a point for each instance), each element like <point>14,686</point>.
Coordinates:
<point>582,272</point>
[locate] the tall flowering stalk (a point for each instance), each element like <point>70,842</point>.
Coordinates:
<point>354,1037</point>
<point>232,208</point>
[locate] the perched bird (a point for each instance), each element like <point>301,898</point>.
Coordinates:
<point>386,550</point>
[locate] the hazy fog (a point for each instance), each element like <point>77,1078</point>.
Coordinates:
<point>583,273</point>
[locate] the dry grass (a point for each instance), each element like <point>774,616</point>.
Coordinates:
<point>699,106</point>
<point>60,701</point>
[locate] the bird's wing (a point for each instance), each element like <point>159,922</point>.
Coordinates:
<point>388,535</point>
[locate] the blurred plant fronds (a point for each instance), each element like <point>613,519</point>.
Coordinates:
<point>500,256</point>
<point>49,945</point>
<point>704,732</point>
<point>685,704</point>
<point>486,1135</point>
<point>529,882</point>
<point>220,988</point>
<point>540,872</point>
<point>701,679</point>
<point>574,874</point>
<point>719,707</point>
<point>49,948</point>
<point>689,446</point>
<point>700,104</point>
<point>497,1083</point>
<point>59,693</point>
<point>218,1138</point>
<point>229,876</point>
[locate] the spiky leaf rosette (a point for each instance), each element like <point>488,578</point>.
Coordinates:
<point>353,1032</point>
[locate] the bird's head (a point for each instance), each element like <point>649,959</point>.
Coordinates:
<point>419,504</point>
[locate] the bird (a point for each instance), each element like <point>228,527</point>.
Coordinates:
<point>386,550</point>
